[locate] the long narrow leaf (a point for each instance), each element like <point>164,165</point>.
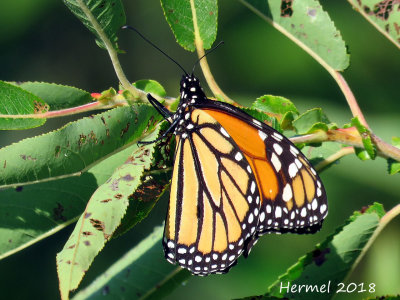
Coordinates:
<point>308,25</point>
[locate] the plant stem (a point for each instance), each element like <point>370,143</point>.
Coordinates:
<point>112,53</point>
<point>348,94</point>
<point>334,157</point>
<point>203,62</point>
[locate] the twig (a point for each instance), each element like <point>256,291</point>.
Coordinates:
<point>203,62</point>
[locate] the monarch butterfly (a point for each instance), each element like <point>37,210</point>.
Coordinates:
<point>234,179</point>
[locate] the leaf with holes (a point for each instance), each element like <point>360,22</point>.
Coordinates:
<point>384,15</point>
<point>308,25</point>
<point>76,146</point>
<point>101,217</point>
<point>192,19</point>
<point>102,17</point>
<point>330,261</point>
<point>56,95</point>
<point>34,212</point>
<point>394,166</point>
<point>144,265</point>
<point>16,101</point>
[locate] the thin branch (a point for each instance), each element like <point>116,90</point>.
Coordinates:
<point>112,53</point>
<point>203,62</point>
<point>334,157</point>
<point>348,94</point>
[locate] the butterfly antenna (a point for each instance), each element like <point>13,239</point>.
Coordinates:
<point>155,46</point>
<point>198,61</point>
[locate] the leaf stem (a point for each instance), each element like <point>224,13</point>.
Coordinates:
<point>112,53</point>
<point>203,62</point>
<point>351,137</point>
<point>348,94</point>
<point>334,157</point>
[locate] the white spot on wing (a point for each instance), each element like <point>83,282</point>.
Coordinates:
<point>278,149</point>
<point>262,135</point>
<point>278,212</point>
<point>238,156</point>
<point>287,192</point>
<point>276,162</point>
<point>292,170</point>
<point>256,122</point>
<point>223,131</point>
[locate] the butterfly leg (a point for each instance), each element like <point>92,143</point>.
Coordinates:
<point>166,132</point>
<point>159,107</point>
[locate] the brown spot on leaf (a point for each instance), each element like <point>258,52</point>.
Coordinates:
<point>103,120</point>
<point>286,8</point>
<point>118,196</point>
<point>397,27</point>
<point>125,130</point>
<point>87,243</point>
<point>319,256</point>
<point>39,107</point>
<point>99,225</point>
<point>128,177</point>
<point>92,137</point>
<point>211,13</point>
<point>87,215</point>
<point>5,164</point>
<point>23,156</point>
<point>312,12</point>
<point>106,200</point>
<point>58,213</point>
<point>57,151</point>
<point>10,241</point>
<point>87,233</point>
<point>72,246</point>
<point>114,185</point>
<point>82,140</point>
<point>68,262</point>
<point>108,132</point>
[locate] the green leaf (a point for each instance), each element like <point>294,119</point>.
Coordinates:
<point>384,15</point>
<point>75,147</point>
<point>308,25</point>
<point>102,17</point>
<point>16,101</point>
<point>56,95</point>
<point>150,86</point>
<point>33,212</point>
<point>369,147</point>
<point>145,266</point>
<point>319,154</point>
<point>152,186</point>
<point>306,121</point>
<point>331,260</point>
<point>274,104</point>
<point>101,217</point>
<point>393,165</point>
<point>185,20</point>
<point>287,120</point>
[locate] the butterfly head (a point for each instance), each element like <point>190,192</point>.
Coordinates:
<point>191,91</point>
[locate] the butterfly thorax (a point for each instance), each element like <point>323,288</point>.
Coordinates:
<point>190,93</point>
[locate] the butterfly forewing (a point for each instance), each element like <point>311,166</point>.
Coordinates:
<point>214,202</point>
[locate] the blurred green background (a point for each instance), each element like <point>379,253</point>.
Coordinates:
<point>42,41</point>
